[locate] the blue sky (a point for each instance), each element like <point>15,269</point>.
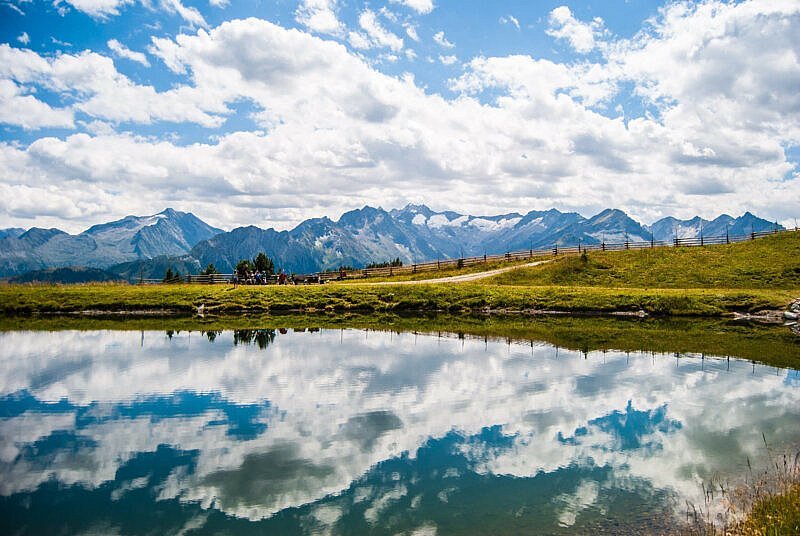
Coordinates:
<point>268,113</point>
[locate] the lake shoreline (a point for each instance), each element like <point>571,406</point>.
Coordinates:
<point>417,299</point>
<point>766,343</point>
<point>768,317</point>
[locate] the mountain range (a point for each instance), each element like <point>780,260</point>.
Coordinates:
<point>144,246</point>
<point>132,238</point>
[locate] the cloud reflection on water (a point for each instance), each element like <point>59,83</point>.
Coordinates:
<point>349,419</point>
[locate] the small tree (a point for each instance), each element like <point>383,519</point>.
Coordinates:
<point>243,266</point>
<point>210,270</point>
<point>395,263</point>
<point>264,264</point>
<point>176,277</point>
<point>168,275</point>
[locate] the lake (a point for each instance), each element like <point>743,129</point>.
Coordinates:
<point>356,431</point>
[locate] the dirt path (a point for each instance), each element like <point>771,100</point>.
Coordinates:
<point>457,278</point>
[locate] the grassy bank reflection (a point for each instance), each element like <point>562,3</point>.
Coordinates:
<point>768,344</point>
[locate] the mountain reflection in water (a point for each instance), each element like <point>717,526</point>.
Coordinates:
<point>348,431</point>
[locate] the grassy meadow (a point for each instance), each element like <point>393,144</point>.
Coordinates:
<point>450,297</point>
<point>698,281</point>
<point>772,262</point>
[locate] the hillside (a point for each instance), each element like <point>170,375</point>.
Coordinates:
<point>772,262</point>
<point>66,275</point>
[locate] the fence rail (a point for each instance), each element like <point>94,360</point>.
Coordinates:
<point>443,264</point>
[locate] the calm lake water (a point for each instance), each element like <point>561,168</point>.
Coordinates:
<point>366,432</point>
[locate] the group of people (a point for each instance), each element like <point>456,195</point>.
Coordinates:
<point>260,278</point>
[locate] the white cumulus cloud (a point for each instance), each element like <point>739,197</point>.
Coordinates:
<point>98,87</point>
<point>104,9</point>
<point>581,35</point>
<point>422,7</point>
<point>124,52</point>
<point>99,9</point>
<point>375,34</point>
<point>319,16</point>
<point>28,112</point>
<point>718,82</point>
<point>411,31</point>
<point>510,19</point>
<point>442,41</point>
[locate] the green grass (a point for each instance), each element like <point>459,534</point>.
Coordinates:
<point>772,262</point>
<point>772,345</point>
<point>453,297</point>
<point>774,516</point>
<point>765,504</point>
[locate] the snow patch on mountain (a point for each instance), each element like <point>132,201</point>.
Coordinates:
<point>437,221</point>
<point>406,251</point>
<point>319,243</point>
<point>687,231</point>
<point>490,226</point>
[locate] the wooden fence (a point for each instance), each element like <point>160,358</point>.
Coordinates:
<point>446,264</point>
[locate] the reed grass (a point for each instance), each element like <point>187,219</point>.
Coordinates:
<point>765,504</point>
